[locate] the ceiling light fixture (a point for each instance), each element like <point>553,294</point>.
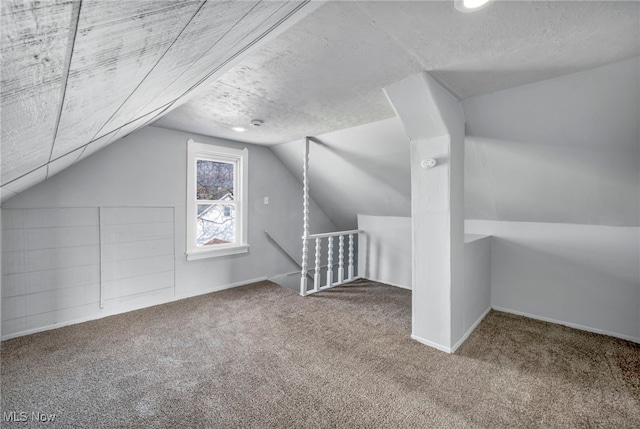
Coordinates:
<point>239,129</point>
<point>467,6</point>
<point>256,123</point>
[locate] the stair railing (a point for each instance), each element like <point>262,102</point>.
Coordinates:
<point>342,236</point>
<point>330,236</point>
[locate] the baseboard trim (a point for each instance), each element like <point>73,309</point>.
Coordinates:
<point>100,315</point>
<point>103,313</point>
<point>568,324</point>
<point>388,283</point>
<point>284,274</point>
<point>223,287</point>
<point>431,344</point>
<point>470,330</point>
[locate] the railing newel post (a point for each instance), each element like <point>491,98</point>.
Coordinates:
<point>305,218</point>
<point>341,260</point>
<point>316,276</point>
<point>350,272</point>
<point>330,261</point>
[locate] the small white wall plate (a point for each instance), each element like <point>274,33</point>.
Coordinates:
<point>429,163</point>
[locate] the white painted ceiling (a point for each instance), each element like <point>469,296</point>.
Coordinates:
<point>563,150</point>
<point>327,72</point>
<point>80,74</point>
<point>77,75</point>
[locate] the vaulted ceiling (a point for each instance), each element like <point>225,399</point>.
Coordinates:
<point>80,74</point>
<point>77,75</point>
<point>327,72</point>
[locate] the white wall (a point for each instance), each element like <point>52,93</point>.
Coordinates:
<point>434,122</point>
<point>385,251</point>
<point>564,150</point>
<point>385,256</point>
<point>474,300</point>
<point>360,170</point>
<point>148,168</point>
<point>555,166</point>
<point>584,276</point>
<point>1,286</point>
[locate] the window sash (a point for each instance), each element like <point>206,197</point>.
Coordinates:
<point>237,157</point>
<point>234,184</point>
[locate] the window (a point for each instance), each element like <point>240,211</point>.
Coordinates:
<point>216,201</point>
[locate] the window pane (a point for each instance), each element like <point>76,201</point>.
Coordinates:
<point>215,180</point>
<point>216,224</point>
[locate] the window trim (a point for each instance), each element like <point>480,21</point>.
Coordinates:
<point>240,157</point>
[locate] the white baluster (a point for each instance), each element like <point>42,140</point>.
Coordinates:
<point>341,260</point>
<point>316,277</point>
<point>305,218</point>
<point>330,262</point>
<point>350,256</point>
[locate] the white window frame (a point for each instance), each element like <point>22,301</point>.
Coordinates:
<point>240,157</point>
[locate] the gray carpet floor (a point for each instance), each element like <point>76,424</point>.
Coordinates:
<point>261,356</point>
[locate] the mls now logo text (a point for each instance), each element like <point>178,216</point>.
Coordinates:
<point>23,416</point>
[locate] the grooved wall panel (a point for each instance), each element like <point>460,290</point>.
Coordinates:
<point>50,267</point>
<point>133,249</point>
<point>137,255</point>
<point>63,265</point>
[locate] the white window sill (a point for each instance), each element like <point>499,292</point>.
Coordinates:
<point>194,255</point>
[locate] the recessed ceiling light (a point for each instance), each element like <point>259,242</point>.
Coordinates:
<point>467,6</point>
<point>239,129</point>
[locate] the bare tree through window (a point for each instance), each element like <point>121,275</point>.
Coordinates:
<point>215,183</point>
<point>215,179</point>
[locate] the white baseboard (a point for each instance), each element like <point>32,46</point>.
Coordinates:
<point>388,283</point>
<point>291,273</point>
<point>223,287</point>
<point>569,324</point>
<point>106,313</point>
<point>431,344</point>
<point>99,315</point>
<point>460,341</point>
<point>470,330</point>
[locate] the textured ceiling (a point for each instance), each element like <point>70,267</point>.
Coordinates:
<point>77,75</point>
<point>327,72</point>
<point>80,74</point>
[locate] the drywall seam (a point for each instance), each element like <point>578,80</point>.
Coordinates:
<point>95,135</point>
<point>307,6</point>
<point>73,31</point>
<point>569,324</point>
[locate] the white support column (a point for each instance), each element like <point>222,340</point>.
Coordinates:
<point>316,276</point>
<point>330,262</point>
<point>305,218</point>
<point>350,267</point>
<point>434,122</point>
<point>341,260</point>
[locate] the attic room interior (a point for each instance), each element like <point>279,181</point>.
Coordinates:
<point>320,213</point>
